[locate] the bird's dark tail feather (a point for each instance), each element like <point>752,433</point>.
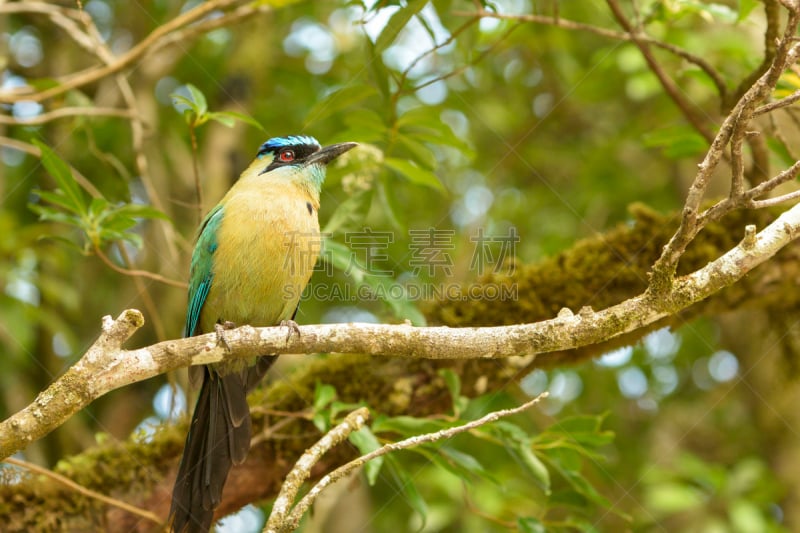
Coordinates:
<point>219,437</point>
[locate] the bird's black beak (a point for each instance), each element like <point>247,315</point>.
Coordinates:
<point>329,153</point>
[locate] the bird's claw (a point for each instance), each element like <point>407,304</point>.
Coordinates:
<point>293,328</point>
<point>220,329</point>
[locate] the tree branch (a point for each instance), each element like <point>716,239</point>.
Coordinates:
<point>152,41</point>
<point>302,470</point>
<point>106,366</point>
<point>567,24</point>
<point>669,86</point>
<point>58,478</point>
<point>732,127</point>
<point>292,522</point>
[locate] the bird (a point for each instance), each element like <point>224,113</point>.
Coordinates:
<point>255,253</point>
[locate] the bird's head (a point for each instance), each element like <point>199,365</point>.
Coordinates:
<point>298,157</point>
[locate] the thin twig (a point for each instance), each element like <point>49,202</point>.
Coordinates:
<point>783,102</point>
<point>141,273</point>
<point>198,189</point>
<point>58,478</point>
<point>691,223</point>
<point>772,15</point>
<point>104,53</point>
<point>293,520</point>
<point>453,35</point>
<point>66,112</point>
<point>763,188</point>
<point>208,25</point>
<point>302,469</point>
<point>147,299</point>
<point>777,132</point>
<point>669,86</point>
<point>737,159</point>
<point>33,150</point>
<point>93,74</point>
<point>65,18</point>
<point>770,202</point>
<point>567,24</point>
<point>455,72</point>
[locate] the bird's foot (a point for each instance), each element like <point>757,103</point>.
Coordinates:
<point>293,328</point>
<point>220,329</point>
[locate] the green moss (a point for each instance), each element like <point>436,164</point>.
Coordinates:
<point>599,271</point>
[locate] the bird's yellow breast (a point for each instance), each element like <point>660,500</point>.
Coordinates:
<point>268,244</point>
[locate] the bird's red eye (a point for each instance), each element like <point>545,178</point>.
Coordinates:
<point>286,156</point>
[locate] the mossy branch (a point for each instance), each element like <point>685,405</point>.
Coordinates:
<point>107,366</point>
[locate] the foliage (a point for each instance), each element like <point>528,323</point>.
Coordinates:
<point>98,220</point>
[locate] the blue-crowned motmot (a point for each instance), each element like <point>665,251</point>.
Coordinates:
<point>254,255</point>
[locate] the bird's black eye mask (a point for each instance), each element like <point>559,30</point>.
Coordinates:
<point>288,155</point>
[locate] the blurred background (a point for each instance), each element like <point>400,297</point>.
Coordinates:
<point>485,144</point>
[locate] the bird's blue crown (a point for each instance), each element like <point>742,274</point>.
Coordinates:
<point>276,143</point>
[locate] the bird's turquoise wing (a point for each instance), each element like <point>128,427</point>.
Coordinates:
<point>201,273</point>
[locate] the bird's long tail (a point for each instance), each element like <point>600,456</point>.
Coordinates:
<point>219,437</point>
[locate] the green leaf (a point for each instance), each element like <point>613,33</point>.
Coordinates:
<point>746,516</point>
<point>350,214</point>
<point>380,74</point>
<point>420,153</point>
<point>229,119</point>
<point>133,238</point>
<point>341,257</point>
<point>580,423</point>
<point>118,223</point>
<point>779,149</point>
<point>323,395</point>
<point>200,104</point>
<point>567,456</point>
<point>447,139</point>
<point>388,203</point>
<point>582,486</point>
<point>466,462</point>
<point>366,124</point>
<point>676,142</point>
<point>408,488</point>
<point>532,464</point>
<point>506,431</point>
<point>339,100</point>
<point>52,215</point>
<point>366,442</point>
<point>222,119</point>
<point>180,99</point>
<point>580,524</point>
<point>530,525</point>
<point>97,207</point>
<point>425,124</point>
<point>453,382</point>
<point>414,174</point>
<point>408,425</point>
<point>56,198</point>
<point>585,430</point>
<point>422,117</point>
<point>140,211</point>
<point>745,7</point>
<point>396,23</point>
<point>673,497</point>
<point>62,174</point>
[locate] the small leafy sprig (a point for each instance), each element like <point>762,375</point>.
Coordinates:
<point>99,220</point>
<point>195,111</point>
